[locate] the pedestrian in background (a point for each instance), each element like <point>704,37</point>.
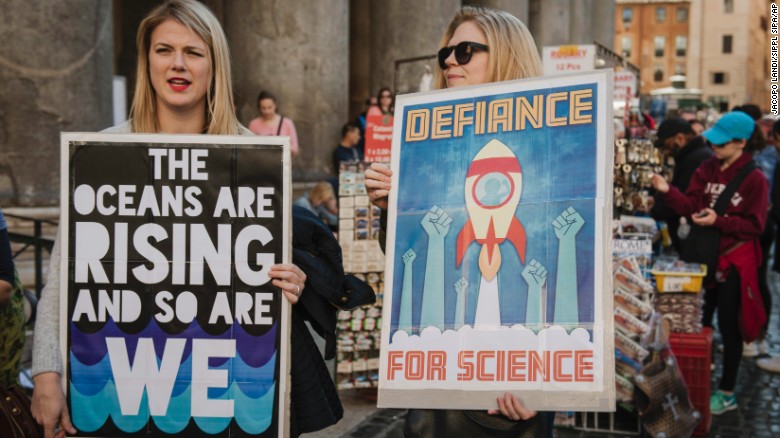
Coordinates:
<point>773,364</point>
<point>739,253</point>
<point>480,45</point>
<point>271,122</point>
<point>321,200</point>
<point>677,138</point>
<point>385,103</point>
<point>16,420</point>
<point>176,91</point>
<point>766,159</point>
<point>348,148</point>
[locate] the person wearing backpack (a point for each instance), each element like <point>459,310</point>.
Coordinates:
<point>739,219</point>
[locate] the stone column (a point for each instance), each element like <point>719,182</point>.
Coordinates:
<point>518,8</point>
<point>359,56</point>
<point>581,20</point>
<point>405,29</point>
<point>299,50</point>
<point>604,23</point>
<point>56,71</point>
<point>549,22</point>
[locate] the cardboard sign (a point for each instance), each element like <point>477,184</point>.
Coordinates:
<point>568,59</point>
<point>169,322</point>
<point>625,86</point>
<point>498,271</point>
<point>379,136</point>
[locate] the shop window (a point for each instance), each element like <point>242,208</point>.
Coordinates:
<point>659,43</point>
<point>628,15</point>
<point>680,45</point>
<point>625,46</point>
<point>658,74</point>
<point>682,15</point>
<point>727,43</point>
<point>660,14</point>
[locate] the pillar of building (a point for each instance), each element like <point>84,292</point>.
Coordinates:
<point>359,56</point>
<point>298,50</point>
<point>549,22</point>
<point>402,30</point>
<point>581,29</point>
<point>56,71</point>
<point>518,8</point>
<point>603,14</point>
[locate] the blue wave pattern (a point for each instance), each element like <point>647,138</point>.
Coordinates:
<point>251,383</point>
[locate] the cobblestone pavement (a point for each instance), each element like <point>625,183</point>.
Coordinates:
<point>758,396</point>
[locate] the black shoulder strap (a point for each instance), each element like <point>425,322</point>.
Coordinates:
<point>725,197</point>
<point>279,128</point>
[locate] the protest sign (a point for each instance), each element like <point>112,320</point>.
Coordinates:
<point>498,254</point>
<point>568,59</point>
<point>625,86</point>
<point>169,322</point>
<point>379,135</point>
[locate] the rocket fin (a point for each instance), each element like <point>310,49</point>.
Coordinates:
<point>465,237</point>
<point>516,235</point>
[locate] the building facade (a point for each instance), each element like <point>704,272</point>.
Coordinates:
<point>654,35</point>
<point>730,59</point>
<point>322,59</point>
<point>720,46</point>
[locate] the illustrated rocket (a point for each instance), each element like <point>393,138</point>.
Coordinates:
<point>493,186</point>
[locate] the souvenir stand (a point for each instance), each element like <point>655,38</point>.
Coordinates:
<point>644,285</point>
<point>358,330</point>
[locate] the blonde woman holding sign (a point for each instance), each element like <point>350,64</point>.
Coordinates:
<point>183,86</point>
<point>480,46</point>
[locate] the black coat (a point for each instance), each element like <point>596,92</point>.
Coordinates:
<point>315,402</point>
<point>687,160</point>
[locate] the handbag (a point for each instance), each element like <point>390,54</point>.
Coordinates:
<point>445,423</point>
<point>703,243</point>
<point>660,393</point>
<point>16,420</point>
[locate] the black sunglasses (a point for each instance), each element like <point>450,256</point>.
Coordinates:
<point>463,52</point>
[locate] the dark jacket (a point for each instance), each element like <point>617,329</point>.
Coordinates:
<point>687,160</point>
<point>315,402</point>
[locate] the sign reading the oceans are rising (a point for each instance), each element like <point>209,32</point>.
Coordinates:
<point>498,275</point>
<point>170,324</point>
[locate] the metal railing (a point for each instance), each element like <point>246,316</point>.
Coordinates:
<point>37,241</point>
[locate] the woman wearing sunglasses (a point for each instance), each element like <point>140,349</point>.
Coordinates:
<point>740,227</point>
<point>480,46</point>
<point>386,102</point>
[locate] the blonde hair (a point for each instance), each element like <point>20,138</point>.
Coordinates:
<point>512,50</point>
<point>220,110</point>
<point>321,192</point>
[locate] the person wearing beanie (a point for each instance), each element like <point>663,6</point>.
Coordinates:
<point>677,138</point>
<point>739,251</point>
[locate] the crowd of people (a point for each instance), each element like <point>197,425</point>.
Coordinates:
<point>184,86</point>
<point>720,164</point>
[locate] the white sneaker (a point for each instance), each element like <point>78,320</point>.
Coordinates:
<point>763,347</point>
<point>771,364</point>
<point>749,350</point>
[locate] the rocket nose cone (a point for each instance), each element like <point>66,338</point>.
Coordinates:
<point>494,149</point>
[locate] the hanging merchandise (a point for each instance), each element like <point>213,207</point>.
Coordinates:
<point>661,395</point>
<point>636,160</point>
<point>358,330</point>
